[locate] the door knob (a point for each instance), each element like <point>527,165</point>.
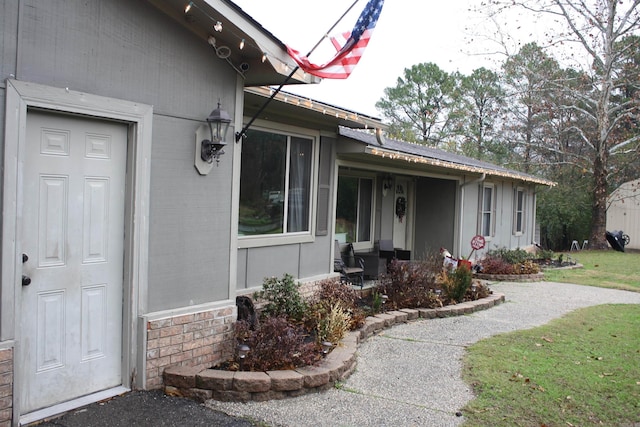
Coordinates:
<point>26,280</point>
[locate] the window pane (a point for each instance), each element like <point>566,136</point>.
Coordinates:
<point>519,222</point>
<point>299,185</point>
<point>519,211</point>
<point>347,207</point>
<point>520,200</point>
<point>262,183</point>
<point>353,210</point>
<point>486,201</point>
<point>486,224</point>
<point>364,210</point>
<point>487,210</point>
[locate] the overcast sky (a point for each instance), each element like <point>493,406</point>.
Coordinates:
<point>409,32</point>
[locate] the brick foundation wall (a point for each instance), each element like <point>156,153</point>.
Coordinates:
<point>309,289</point>
<point>199,340</point>
<point>6,387</point>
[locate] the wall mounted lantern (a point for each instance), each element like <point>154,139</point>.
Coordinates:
<point>210,140</point>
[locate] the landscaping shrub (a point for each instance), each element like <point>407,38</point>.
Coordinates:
<point>529,267</point>
<point>511,256</point>
<point>332,292</point>
<point>276,344</point>
<point>493,265</point>
<point>336,291</point>
<point>283,298</point>
<point>333,325</point>
<point>409,285</point>
<point>376,303</point>
<point>545,254</point>
<point>477,290</point>
<point>455,283</point>
<point>509,261</point>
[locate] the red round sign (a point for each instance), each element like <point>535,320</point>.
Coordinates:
<point>477,242</point>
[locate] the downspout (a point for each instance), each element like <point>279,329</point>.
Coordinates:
<point>460,228</point>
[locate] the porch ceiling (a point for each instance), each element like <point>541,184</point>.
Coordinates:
<point>250,60</point>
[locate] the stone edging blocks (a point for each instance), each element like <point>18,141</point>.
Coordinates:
<point>510,277</point>
<point>239,386</point>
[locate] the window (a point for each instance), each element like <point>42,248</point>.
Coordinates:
<point>518,211</point>
<point>487,210</point>
<point>275,184</point>
<point>354,209</point>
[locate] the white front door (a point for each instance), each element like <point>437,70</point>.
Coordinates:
<point>73,236</point>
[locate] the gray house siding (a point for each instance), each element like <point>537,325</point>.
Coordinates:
<point>127,53</point>
<point>189,221</point>
<point>96,47</point>
<point>503,227</point>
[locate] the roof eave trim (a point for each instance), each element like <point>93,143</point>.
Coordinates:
<point>412,158</point>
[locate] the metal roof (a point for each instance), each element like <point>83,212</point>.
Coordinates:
<point>393,149</point>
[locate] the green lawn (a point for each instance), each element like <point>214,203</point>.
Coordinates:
<point>607,269</point>
<point>580,370</point>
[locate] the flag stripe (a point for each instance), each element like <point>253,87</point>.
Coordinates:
<point>349,53</point>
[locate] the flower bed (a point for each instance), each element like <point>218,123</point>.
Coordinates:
<point>338,365</point>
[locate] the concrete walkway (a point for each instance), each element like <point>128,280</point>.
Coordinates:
<point>410,375</point>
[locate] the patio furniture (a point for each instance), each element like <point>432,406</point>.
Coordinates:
<point>389,252</point>
<point>350,266</point>
<point>376,261</point>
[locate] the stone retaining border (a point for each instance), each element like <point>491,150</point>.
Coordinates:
<point>240,386</point>
<point>510,277</point>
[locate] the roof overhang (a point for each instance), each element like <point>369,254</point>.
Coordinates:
<point>262,59</point>
<point>375,151</point>
<point>427,161</point>
<point>289,108</point>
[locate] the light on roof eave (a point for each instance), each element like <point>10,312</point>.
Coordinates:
<point>412,158</point>
<point>316,106</point>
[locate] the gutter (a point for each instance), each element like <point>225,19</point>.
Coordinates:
<point>481,179</point>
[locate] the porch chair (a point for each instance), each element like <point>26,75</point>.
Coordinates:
<point>350,266</point>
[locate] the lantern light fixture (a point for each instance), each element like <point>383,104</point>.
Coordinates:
<point>212,148</point>
<point>211,139</point>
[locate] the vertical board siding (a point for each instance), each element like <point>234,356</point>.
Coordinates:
<point>131,51</point>
<point>324,187</point>
<point>122,49</point>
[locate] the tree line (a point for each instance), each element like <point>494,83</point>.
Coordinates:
<point>579,127</point>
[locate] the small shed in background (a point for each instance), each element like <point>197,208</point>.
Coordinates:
<point>623,212</point>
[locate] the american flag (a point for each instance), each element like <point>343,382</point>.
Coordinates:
<point>349,46</point>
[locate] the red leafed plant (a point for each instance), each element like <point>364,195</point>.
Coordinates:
<point>276,344</point>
